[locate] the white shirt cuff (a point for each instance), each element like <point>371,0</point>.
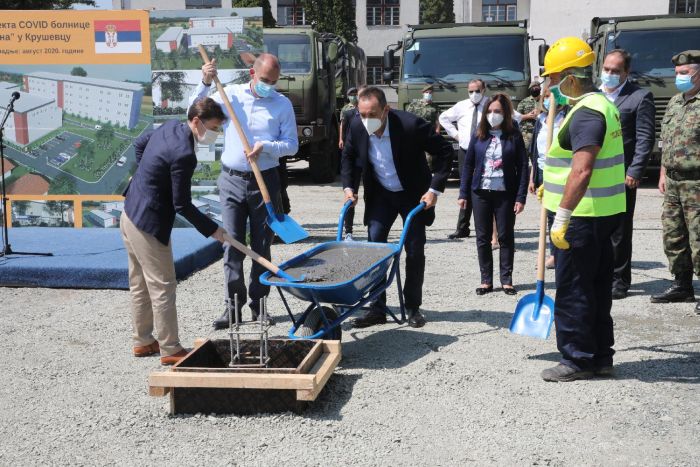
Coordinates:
<point>346,189</point>
<point>435,192</point>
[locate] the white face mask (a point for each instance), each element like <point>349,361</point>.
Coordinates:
<point>475,97</point>
<point>494,119</point>
<point>209,136</point>
<point>428,97</point>
<point>372,124</point>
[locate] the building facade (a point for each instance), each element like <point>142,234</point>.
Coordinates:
<point>232,23</point>
<point>170,40</point>
<point>111,101</point>
<point>34,117</point>
<point>209,36</point>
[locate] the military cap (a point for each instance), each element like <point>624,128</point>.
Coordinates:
<point>686,58</point>
<point>534,83</point>
<point>352,91</point>
<point>427,88</point>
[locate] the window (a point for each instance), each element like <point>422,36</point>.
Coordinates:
<point>194,4</point>
<point>683,6</point>
<point>290,13</point>
<point>375,69</point>
<point>383,12</point>
<point>499,10</point>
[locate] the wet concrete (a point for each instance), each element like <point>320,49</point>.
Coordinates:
<point>336,265</point>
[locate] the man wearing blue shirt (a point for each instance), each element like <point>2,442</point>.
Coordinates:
<point>267,118</point>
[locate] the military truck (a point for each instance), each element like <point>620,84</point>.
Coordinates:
<point>317,70</point>
<point>451,55</point>
<point>652,41</point>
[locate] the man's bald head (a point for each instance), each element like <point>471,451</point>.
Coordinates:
<point>266,61</point>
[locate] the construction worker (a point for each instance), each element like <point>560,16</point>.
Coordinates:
<point>584,184</point>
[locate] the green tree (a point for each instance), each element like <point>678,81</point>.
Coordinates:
<point>78,71</point>
<point>59,207</point>
<point>171,84</point>
<point>437,11</point>
<point>62,185</point>
<point>42,4</point>
<point>86,152</point>
<point>21,207</point>
<point>268,19</point>
<point>340,22</point>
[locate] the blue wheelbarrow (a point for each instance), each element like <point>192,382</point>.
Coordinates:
<point>332,303</point>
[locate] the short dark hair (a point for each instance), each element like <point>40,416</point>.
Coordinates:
<point>626,57</point>
<point>508,128</point>
<point>206,109</point>
<point>482,83</point>
<point>372,91</point>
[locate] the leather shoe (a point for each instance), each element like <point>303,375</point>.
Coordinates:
<point>256,316</point>
<point>510,291</point>
<point>619,294</point>
<point>222,321</point>
<point>415,318</point>
<point>173,359</point>
<point>146,350</point>
<point>605,371</point>
<point>680,291</point>
<point>564,374</point>
<point>457,234</point>
<point>484,290</point>
<point>371,318</point>
<point>697,308</point>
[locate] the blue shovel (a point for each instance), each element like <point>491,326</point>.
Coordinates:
<point>284,226</point>
<point>534,313</point>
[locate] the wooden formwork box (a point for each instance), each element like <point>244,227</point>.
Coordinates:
<point>198,389</point>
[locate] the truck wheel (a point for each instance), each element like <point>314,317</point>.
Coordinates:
<point>323,163</point>
<point>314,323</point>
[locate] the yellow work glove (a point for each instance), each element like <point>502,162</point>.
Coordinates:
<point>559,228</point>
<point>540,192</point>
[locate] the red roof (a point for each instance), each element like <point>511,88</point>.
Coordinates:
<point>29,184</point>
<point>9,165</point>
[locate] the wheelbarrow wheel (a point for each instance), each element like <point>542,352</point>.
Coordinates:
<point>314,323</point>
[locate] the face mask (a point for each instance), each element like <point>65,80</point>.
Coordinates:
<point>427,97</point>
<point>209,136</point>
<point>535,92</point>
<point>561,98</point>
<point>372,124</point>
<point>475,97</point>
<point>263,89</point>
<point>610,81</point>
<point>684,83</point>
<point>494,119</point>
<point>352,99</point>
<point>545,104</point>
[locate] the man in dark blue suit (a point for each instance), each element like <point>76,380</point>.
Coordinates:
<point>159,189</point>
<point>385,149</point>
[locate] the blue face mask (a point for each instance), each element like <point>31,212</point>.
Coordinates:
<point>684,83</point>
<point>263,89</point>
<point>545,104</point>
<point>610,81</point>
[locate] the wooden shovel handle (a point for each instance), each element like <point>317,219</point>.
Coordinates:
<point>247,251</point>
<point>239,129</point>
<point>543,212</point>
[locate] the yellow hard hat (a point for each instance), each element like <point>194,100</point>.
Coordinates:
<point>567,52</point>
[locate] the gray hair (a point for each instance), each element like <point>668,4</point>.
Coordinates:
<point>479,81</point>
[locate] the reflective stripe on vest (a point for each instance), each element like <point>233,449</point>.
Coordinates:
<point>605,194</point>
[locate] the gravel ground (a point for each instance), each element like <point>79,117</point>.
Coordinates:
<point>460,390</point>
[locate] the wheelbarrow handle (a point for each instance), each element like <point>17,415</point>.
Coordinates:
<point>407,224</point>
<point>341,220</point>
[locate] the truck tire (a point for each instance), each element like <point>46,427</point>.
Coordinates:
<point>313,323</point>
<point>324,160</point>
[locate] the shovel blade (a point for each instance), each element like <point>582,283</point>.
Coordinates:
<point>286,228</point>
<point>533,316</point>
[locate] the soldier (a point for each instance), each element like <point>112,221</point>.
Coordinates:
<point>528,109</point>
<point>424,108</point>
<point>679,180</point>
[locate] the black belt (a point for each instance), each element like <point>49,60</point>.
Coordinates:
<point>683,175</point>
<point>243,175</point>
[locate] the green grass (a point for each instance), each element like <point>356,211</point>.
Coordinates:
<point>100,159</point>
<point>121,130</point>
<point>211,175</point>
<point>17,172</point>
<point>147,106</point>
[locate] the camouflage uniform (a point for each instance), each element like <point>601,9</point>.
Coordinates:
<point>680,136</point>
<point>527,127</point>
<point>347,106</point>
<point>424,110</point>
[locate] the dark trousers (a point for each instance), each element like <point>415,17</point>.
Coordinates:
<point>464,214</point>
<point>488,204</point>
<point>241,203</point>
<point>622,244</point>
<point>584,294</point>
<point>349,219</point>
<point>381,214</point>
<point>284,183</point>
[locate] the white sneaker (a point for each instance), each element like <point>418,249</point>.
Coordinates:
<point>348,237</point>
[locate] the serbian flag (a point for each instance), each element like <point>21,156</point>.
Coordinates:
<point>118,36</point>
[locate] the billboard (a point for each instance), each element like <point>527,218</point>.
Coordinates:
<point>83,78</point>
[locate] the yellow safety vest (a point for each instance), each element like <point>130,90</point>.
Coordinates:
<point>605,195</point>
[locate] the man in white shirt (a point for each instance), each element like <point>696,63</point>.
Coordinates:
<point>466,114</point>
<point>385,149</point>
<point>267,118</point>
